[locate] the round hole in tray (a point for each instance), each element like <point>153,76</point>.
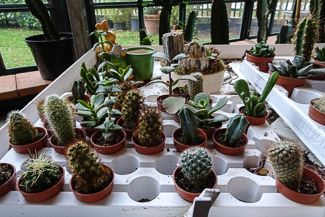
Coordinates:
<point>219,166</point>
<point>166,164</point>
<point>244,189</point>
<point>125,164</point>
<point>144,189</point>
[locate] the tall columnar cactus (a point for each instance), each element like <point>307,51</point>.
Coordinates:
<point>125,87</point>
<point>219,23</point>
<point>20,129</point>
<point>150,129</point>
<point>305,38</point>
<point>196,164</point>
<point>195,87</point>
<point>131,109</point>
<point>263,11</point>
<point>78,90</point>
<point>59,114</point>
<point>317,10</point>
<point>287,161</point>
<point>189,126</point>
<point>235,129</point>
<point>190,27</point>
<point>90,174</point>
<point>320,104</point>
<point>38,9</point>
<point>286,33</point>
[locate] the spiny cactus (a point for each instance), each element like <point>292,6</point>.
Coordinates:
<point>150,129</point>
<point>305,38</point>
<point>219,23</point>
<point>195,87</point>
<point>38,9</point>
<point>40,108</point>
<point>287,161</point>
<point>190,27</point>
<point>20,129</point>
<point>131,109</point>
<point>263,11</point>
<point>42,173</point>
<point>320,104</point>
<point>90,174</point>
<point>125,87</point>
<point>59,115</point>
<point>5,173</point>
<point>196,164</point>
<point>286,32</point>
<point>317,10</point>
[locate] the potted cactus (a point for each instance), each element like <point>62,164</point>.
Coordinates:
<point>23,136</point>
<point>59,115</point>
<point>261,55</point>
<point>319,60</point>
<point>294,181</point>
<point>317,110</point>
<point>294,73</point>
<point>125,87</point>
<point>194,173</point>
<point>42,180</point>
<point>131,111</point>
<point>255,107</point>
<point>7,178</point>
<point>53,52</point>
<point>149,138</point>
<point>233,140</point>
<point>91,181</point>
<point>78,92</point>
<point>189,134</point>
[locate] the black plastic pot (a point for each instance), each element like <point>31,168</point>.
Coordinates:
<point>119,26</point>
<point>52,57</point>
<point>134,23</point>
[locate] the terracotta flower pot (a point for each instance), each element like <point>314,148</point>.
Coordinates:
<point>254,120</point>
<point>111,149</point>
<point>10,183</point>
<point>63,149</point>
<point>315,114</point>
<point>299,197</point>
<point>290,83</point>
<point>43,195</point>
<point>176,118</point>
<point>128,132</point>
<point>149,150</point>
<point>94,197</point>
<point>261,62</point>
<point>210,132</point>
<point>189,196</point>
<point>151,22</point>
<point>319,63</point>
<point>160,99</point>
<point>181,147</point>
<point>177,93</point>
<point>31,147</point>
<point>89,131</point>
<point>87,98</point>
<point>228,150</point>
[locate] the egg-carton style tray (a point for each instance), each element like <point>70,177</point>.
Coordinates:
<point>294,110</point>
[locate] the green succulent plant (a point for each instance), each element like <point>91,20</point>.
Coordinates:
<point>90,77</point>
<point>261,50</point>
<point>131,109</point>
<point>90,174</point>
<point>114,60</point>
<point>320,54</point>
<point>255,106</point>
<point>78,91</point>
<point>235,129</point>
<point>41,174</point>
<point>21,131</point>
<point>189,126</point>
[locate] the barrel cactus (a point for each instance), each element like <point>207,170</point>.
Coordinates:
<point>196,164</point>
<point>287,161</point>
<point>131,109</point>
<point>90,174</point>
<point>320,104</point>
<point>195,87</point>
<point>59,114</point>
<point>21,131</point>
<point>150,129</point>
<point>125,87</point>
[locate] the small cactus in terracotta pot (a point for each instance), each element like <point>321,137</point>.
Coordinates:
<point>317,110</point>
<point>7,178</point>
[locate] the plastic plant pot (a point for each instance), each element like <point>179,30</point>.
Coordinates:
<point>149,150</point>
<point>111,149</point>
<point>261,62</point>
<point>181,147</point>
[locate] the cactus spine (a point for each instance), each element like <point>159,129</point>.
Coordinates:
<point>317,10</point>
<point>196,164</point>
<point>320,104</point>
<point>40,108</point>
<point>264,9</point>
<point>305,37</point>
<point>195,87</point>
<point>90,174</point>
<point>219,23</point>
<point>20,129</point>
<point>190,27</point>
<point>125,87</point>
<point>131,109</point>
<point>150,129</point>
<point>38,9</point>
<point>59,114</point>
<point>287,161</point>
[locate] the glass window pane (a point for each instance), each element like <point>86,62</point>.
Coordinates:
<point>107,1</point>
<point>5,2</point>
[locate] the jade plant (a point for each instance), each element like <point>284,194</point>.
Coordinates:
<point>298,68</point>
<point>319,104</point>
<point>41,174</point>
<point>131,109</point>
<point>90,175</point>
<point>5,173</point>
<point>150,129</point>
<point>255,106</point>
<point>78,91</point>
<point>59,115</point>
<point>90,77</point>
<point>261,50</point>
<point>287,161</point>
<point>320,54</point>
<point>195,87</point>
<point>235,129</point>
<point>21,131</point>
<point>196,165</point>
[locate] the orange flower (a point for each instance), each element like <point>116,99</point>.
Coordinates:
<point>107,47</point>
<point>102,26</point>
<point>110,37</point>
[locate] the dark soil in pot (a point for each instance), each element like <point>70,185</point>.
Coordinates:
<point>180,138</point>
<point>116,138</point>
<point>6,172</point>
<point>220,137</point>
<point>308,186</point>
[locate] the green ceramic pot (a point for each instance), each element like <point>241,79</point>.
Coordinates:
<point>142,61</point>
